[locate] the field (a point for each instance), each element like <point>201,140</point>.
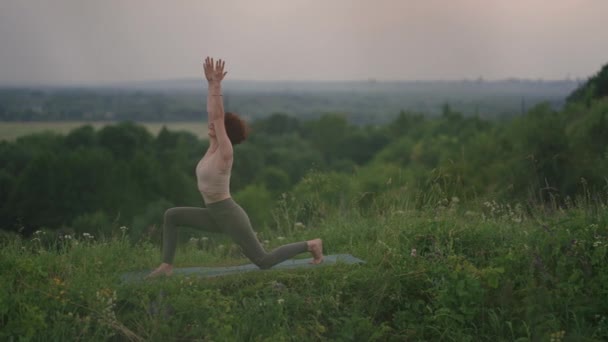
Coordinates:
<point>443,273</point>
<point>9,131</point>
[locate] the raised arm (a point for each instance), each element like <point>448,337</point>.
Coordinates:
<point>214,72</point>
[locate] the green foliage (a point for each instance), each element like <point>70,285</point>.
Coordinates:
<point>489,272</point>
<point>95,223</point>
<point>596,87</point>
<point>258,203</point>
<point>545,156</point>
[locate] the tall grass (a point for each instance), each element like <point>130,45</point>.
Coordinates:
<point>443,270</point>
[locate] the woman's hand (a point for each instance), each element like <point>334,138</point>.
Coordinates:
<point>214,73</point>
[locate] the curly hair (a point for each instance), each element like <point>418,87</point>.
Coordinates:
<point>236,128</point>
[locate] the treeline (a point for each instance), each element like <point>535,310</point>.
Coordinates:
<point>89,180</point>
<point>363,102</point>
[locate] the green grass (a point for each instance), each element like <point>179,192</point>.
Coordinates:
<point>10,131</point>
<point>444,273</point>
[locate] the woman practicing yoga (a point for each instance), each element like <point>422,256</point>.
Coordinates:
<point>222,214</point>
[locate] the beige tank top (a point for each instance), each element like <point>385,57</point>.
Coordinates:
<point>213,177</point>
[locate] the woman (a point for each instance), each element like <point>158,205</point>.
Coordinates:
<point>222,214</point>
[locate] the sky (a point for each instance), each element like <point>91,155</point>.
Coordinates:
<point>107,41</point>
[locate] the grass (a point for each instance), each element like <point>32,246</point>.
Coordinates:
<point>443,273</point>
<point>10,131</point>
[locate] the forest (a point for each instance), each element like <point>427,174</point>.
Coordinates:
<point>121,173</point>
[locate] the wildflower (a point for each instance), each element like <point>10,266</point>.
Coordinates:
<point>299,225</point>
<point>281,301</point>
<point>281,238</point>
<point>413,253</point>
<point>557,336</point>
<point>124,229</point>
<point>204,238</point>
<point>67,237</point>
<point>87,235</point>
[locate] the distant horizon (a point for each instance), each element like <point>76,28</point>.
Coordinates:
<point>265,81</point>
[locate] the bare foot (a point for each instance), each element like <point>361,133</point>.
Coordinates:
<point>163,270</point>
<point>315,247</point>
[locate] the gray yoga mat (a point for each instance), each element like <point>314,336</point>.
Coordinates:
<point>207,272</point>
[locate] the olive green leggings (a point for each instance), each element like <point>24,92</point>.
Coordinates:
<point>226,217</point>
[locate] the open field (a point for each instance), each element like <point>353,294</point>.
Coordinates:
<point>9,131</point>
<point>437,274</point>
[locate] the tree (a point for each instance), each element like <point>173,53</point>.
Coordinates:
<point>83,136</point>
<point>596,87</point>
<point>124,139</point>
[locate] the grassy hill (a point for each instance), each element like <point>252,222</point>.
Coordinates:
<point>446,270</point>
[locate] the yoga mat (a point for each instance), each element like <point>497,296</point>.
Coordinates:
<point>208,272</point>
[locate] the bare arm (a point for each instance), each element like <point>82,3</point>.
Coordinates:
<point>214,72</point>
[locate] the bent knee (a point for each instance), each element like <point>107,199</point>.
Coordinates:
<point>263,263</point>
<point>264,266</point>
<point>171,214</point>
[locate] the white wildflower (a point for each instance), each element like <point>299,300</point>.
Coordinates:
<point>413,253</point>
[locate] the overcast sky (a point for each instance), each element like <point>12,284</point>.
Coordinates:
<point>78,41</point>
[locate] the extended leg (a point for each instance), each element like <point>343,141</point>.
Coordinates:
<point>233,220</point>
